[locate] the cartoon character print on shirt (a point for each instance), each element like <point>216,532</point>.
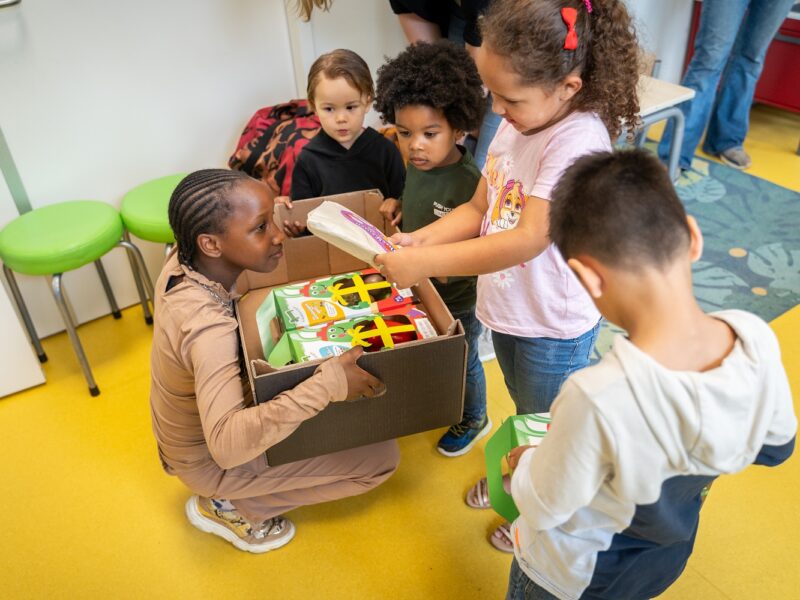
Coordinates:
<point>508,206</point>
<point>507,209</point>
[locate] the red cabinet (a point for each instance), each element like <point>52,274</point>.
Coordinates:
<point>779,84</point>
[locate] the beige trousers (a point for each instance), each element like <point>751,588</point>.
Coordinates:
<point>260,492</point>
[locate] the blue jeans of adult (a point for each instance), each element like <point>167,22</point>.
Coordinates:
<point>730,45</point>
<point>535,368</point>
<point>521,587</point>
<point>475,392</point>
<point>491,120</point>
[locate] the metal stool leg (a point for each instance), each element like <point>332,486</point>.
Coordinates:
<point>23,311</point>
<point>58,293</point>
<point>112,302</point>
<point>674,114</point>
<point>137,278</point>
<point>141,276</point>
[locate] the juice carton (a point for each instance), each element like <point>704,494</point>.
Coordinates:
<point>327,299</point>
<point>372,332</point>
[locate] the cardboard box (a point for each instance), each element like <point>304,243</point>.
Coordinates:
<point>425,379</point>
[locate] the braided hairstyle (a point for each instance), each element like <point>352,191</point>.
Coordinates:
<point>199,205</point>
<point>530,34</point>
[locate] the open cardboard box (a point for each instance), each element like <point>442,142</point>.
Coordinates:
<point>424,379</point>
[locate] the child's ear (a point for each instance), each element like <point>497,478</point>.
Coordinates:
<point>208,243</point>
<point>695,239</point>
<point>570,86</point>
<point>588,276</point>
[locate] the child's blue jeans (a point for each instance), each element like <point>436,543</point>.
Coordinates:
<point>535,368</point>
<point>520,586</point>
<point>475,392</point>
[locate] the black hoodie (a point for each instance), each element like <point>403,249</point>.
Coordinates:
<point>325,167</point>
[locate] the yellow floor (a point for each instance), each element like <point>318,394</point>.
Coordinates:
<point>85,511</point>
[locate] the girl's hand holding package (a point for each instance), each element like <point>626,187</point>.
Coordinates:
<point>391,209</point>
<point>405,267</point>
<point>359,382</point>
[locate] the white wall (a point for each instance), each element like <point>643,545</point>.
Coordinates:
<point>663,28</point>
<point>101,95</point>
<point>367,27</point>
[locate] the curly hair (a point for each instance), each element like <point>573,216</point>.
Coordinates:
<point>440,75</point>
<point>530,34</point>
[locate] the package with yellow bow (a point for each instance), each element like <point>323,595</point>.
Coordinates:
<point>372,332</point>
<point>332,298</point>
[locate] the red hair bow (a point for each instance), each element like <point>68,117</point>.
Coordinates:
<point>569,15</point>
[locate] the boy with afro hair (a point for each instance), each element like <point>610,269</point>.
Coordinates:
<point>433,95</point>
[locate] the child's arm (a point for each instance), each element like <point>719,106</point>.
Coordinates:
<point>566,471</point>
<point>487,254</point>
<point>781,435</point>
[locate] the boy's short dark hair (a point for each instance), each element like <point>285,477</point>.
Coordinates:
<point>441,75</point>
<point>619,207</point>
<point>340,63</point>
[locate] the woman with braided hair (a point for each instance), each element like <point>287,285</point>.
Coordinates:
<point>209,432</point>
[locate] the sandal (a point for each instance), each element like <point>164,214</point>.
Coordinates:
<point>501,538</point>
<point>478,495</point>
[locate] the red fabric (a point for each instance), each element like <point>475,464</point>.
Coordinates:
<point>569,15</point>
<point>288,127</point>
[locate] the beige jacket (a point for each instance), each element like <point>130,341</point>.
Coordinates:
<point>201,403</point>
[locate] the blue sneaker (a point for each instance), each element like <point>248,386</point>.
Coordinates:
<point>460,438</point>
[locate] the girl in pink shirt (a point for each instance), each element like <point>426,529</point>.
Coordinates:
<point>563,76</point>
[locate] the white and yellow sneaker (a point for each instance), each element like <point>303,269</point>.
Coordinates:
<point>221,518</point>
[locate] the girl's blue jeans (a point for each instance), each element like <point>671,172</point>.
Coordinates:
<point>730,45</point>
<point>535,368</point>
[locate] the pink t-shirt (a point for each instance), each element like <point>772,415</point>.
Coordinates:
<point>542,297</point>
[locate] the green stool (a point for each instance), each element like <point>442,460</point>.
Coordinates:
<point>61,237</point>
<point>144,210</point>
<point>145,214</point>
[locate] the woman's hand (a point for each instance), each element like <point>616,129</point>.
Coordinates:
<point>404,267</point>
<point>359,382</point>
<point>391,209</point>
<point>513,457</point>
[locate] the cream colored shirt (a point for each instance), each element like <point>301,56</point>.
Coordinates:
<point>200,399</point>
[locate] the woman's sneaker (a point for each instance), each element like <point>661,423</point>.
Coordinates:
<point>460,438</point>
<point>221,518</point>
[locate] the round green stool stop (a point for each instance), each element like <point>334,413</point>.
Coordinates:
<point>60,237</point>
<point>144,209</point>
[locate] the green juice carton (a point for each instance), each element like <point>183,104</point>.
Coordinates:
<point>332,298</point>
<point>372,332</point>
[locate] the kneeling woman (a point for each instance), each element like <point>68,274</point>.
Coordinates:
<point>210,433</point>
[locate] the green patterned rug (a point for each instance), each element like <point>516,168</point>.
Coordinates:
<point>751,228</point>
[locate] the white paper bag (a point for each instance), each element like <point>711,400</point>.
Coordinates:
<point>347,231</point>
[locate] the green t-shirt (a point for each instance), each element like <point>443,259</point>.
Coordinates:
<point>429,195</point>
